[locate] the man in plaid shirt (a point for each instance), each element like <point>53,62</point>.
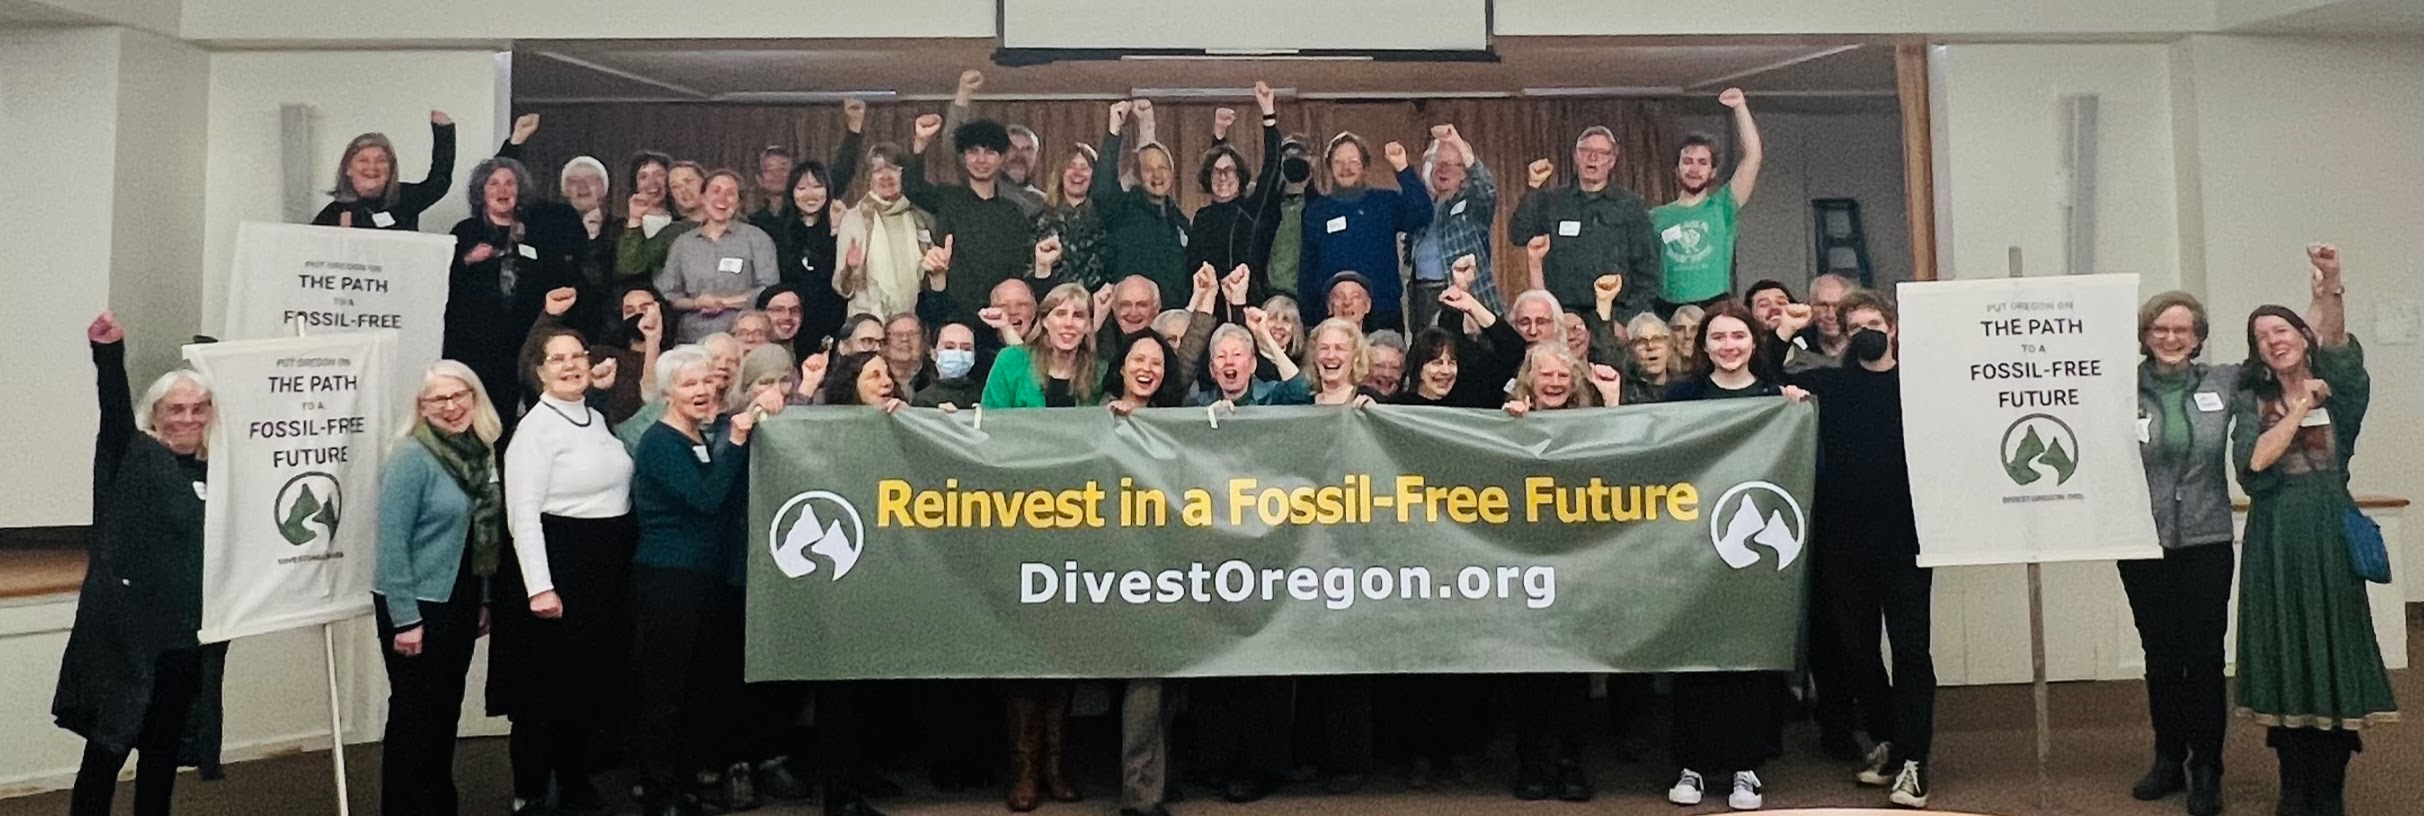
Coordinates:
<point>1464,201</point>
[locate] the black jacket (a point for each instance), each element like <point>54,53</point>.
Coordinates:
<point>411,197</point>
<point>487,320</point>
<point>1239,231</point>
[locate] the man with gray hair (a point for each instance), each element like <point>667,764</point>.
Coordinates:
<point>1387,352</point>
<point>1593,228</point>
<point>1464,204</point>
<point>1826,292</point>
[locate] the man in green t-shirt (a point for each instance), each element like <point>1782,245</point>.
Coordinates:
<point>1697,229</point>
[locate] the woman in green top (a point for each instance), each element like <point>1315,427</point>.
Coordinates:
<point>1056,366</point>
<point>2309,668</point>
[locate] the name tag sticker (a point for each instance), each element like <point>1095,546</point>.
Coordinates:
<point>1338,224</point>
<point>1672,235</point>
<point>1182,239</point>
<point>925,236</point>
<point>699,451</point>
<point>2209,401</point>
<point>2316,418</point>
<point>202,491</point>
<point>732,265</point>
<point>1569,229</point>
<point>384,220</point>
<point>527,251</point>
<point>2145,430</point>
<point>1459,208</point>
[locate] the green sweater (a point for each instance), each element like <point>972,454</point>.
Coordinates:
<point>1013,383</point>
<point>638,258</point>
<point>691,512</point>
<point>1148,237</point>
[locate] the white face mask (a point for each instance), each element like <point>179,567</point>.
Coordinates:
<point>953,364</point>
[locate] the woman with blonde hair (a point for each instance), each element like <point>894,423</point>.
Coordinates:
<point>441,534</point>
<point>1338,360</point>
<point>1070,215</point>
<point>367,195</point>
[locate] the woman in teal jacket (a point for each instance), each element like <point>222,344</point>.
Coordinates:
<point>441,528</point>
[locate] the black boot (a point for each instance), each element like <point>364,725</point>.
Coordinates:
<point>2294,777</point>
<point>2204,789</point>
<point>2164,779</point>
<point>1531,780</point>
<point>2326,792</point>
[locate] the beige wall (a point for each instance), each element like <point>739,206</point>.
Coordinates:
<point>1856,156</point>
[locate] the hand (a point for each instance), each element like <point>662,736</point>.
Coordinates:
<point>1143,109</point>
<point>854,114</point>
<point>856,258</point>
<point>1119,114</point>
<point>1224,406</point>
<point>1537,248</point>
<point>1796,395</point>
<point>1602,372</point>
<point>408,642</point>
<point>1102,300</point>
<point>971,81</point>
<point>1610,385</point>
<point>742,424</point>
<point>480,253</point>
<point>1464,272</point>
<point>925,129</point>
<point>938,259</point>
<point>949,407</point>
<point>1397,155</point>
<point>639,205</point>
<point>994,317</point>
<point>834,213</point>
<point>1518,408</point>
<point>1537,175</point>
<point>1259,323</point>
<point>439,117</point>
<point>547,605</point>
<point>1265,98</point>
<point>2315,393</point>
<point>1233,285</point>
<point>1732,98</point>
<point>1455,297</point>
<point>1206,279</point>
<point>602,374</point>
<point>1605,288</point>
<point>560,299</point>
<point>812,372</point>
<point>2326,260</point>
<point>1121,407</point>
<point>1222,120</point>
<point>105,330</point>
<point>523,126</point>
<point>1047,255</point>
<point>1796,317</point>
<point>893,405</point>
<point>769,401</point>
<point>652,324</point>
<point>1363,401</point>
<point>1445,133</point>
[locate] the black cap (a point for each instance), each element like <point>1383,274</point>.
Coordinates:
<point>1341,277</point>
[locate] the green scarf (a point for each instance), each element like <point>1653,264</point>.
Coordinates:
<point>474,467</point>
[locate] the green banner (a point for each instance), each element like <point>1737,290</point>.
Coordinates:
<point>1284,541</point>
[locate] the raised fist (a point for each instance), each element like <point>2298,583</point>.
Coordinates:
<point>559,300</point>
<point>1537,175</point>
<point>1732,98</point>
<point>1796,317</point>
<point>1445,133</point>
<point>105,330</point>
<point>1233,285</point>
<point>1462,274</point>
<point>1265,98</point>
<point>1047,254</point>
<point>1605,288</point>
<point>524,126</point>
<point>970,80</point>
<point>854,113</point>
<point>928,126</point>
<point>1144,109</point>
<point>993,316</point>
<point>439,117</point>
<point>1119,114</point>
<point>1206,278</point>
<point>2324,257</point>
<point>1537,248</point>
<point>1396,153</point>
<point>1223,119</point>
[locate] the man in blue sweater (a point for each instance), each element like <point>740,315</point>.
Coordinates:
<point>1355,228</point>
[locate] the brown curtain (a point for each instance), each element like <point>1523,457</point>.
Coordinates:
<point>1508,133</point>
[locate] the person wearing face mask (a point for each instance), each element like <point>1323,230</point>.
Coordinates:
<point>688,488</point>
<point>1864,555</point>
<point>1355,228</point>
<point>367,195</point>
<point>1148,231</point>
<point>1072,242</point>
<point>1720,723</point>
<point>441,534</point>
<point>993,236</point>
<point>509,254</point>
<point>1288,240</point>
<point>1057,366</point>
<point>1697,231</point>
<point>1464,206</point>
<point>2308,669</point>
<point>1237,227</point>
<point>716,270</point>
<point>561,613</point>
<point>651,220</point>
<point>1594,226</point>
<point>884,241</point>
<point>1018,163</point>
<point>806,220</point>
<point>133,670</point>
<point>954,369</point>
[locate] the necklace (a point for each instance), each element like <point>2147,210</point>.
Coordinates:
<point>586,416</point>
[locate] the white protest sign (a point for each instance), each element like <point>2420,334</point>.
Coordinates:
<point>334,280</point>
<point>290,532</point>
<point>2020,400</point>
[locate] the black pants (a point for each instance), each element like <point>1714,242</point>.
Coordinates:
<point>424,703</point>
<point>1550,714</point>
<point>176,677</point>
<point>1722,720</point>
<point>842,753</point>
<point>1434,716</point>
<point>1338,710</point>
<point>688,639</point>
<point>2181,603</point>
<point>1861,600</point>
<point>1243,725</point>
<point>565,682</point>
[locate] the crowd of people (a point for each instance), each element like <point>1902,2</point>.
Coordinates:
<point>572,483</point>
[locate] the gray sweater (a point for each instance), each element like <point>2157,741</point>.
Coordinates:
<point>2191,493</point>
<point>742,263</point>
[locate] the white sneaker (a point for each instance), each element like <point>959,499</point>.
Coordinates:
<point>1688,788</point>
<point>1873,773</point>
<point>1910,786</point>
<point>1747,792</point>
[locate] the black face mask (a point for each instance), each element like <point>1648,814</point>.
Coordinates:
<point>1867,345</point>
<point>1296,169</point>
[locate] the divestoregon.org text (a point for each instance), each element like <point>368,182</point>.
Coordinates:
<point>1236,581</point>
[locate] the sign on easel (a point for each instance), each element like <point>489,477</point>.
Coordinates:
<point>329,280</point>
<point>2021,399</point>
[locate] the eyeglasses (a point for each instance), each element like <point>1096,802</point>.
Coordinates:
<point>560,359</point>
<point>458,397</point>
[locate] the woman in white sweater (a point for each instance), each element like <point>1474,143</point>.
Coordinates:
<point>559,666</point>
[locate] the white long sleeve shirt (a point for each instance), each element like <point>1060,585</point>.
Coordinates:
<point>564,461</point>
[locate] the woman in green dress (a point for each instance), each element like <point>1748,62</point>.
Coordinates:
<point>2309,669</point>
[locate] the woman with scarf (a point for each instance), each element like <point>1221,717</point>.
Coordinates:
<point>884,241</point>
<point>511,252</point>
<point>367,195</point>
<point>2308,667</point>
<point>441,534</point>
<point>133,669</point>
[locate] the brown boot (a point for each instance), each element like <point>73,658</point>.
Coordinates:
<point>1026,738</point>
<point>1055,717</point>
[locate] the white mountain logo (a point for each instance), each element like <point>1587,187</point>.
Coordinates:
<point>1757,513</point>
<point>810,533</point>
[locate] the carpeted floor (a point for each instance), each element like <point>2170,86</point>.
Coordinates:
<point>1983,764</point>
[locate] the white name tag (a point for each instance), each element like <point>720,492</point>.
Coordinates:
<point>526,251</point>
<point>699,451</point>
<point>1569,229</point>
<point>384,220</point>
<point>1672,235</point>
<point>2209,401</point>
<point>2145,430</point>
<point>2316,418</point>
<point>202,491</point>
<point>1459,208</point>
<point>732,265</point>
<point>1338,224</point>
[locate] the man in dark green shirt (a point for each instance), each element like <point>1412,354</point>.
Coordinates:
<point>991,237</point>
<point>1594,228</point>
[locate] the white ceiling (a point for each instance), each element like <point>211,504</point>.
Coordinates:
<point>1837,72</point>
<point>2367,18</point>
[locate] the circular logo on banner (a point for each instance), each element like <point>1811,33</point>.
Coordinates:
<point>2037,445</point>
<point>1691,243</point>
<point>809,527</point>
<point>308,508</point>
<point>1757,513</point>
